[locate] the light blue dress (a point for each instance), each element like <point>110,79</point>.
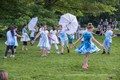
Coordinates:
<point>87,45</point>
<point>63,35</point>
<point>44,41</point>
<point>25,36</point>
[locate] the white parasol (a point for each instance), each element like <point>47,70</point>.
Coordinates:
<point>32,23</point>
<point>70,21</point>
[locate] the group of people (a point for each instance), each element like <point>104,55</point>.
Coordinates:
<point>46,39</point>
<point>102,26</point>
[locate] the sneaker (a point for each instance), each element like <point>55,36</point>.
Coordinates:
<point>68,51</point>
<point>5,57</point>
<point>9,51</point>
<point>12,56</point>
<point>62,53</point>
<point>103,52</point>
<point>58,52</point>
<point>108,53</point>
<point>48,52</point>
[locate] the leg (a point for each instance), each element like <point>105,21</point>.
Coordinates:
<point>12,49</point>
<point>15,48</point>
<point>48,49</point>
<point>7,49</point>
<point>42,51</point>
<point>23,46</point>
<point>85,65</point>
<point>56,47</point>
<point>109,47</point>
<point>62,47</point>
<point>45,52</point>
<point>104,47</point>
<point>66,43</point>
<point>26,45</point>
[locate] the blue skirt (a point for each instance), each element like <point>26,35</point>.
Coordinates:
<point>87,47</point>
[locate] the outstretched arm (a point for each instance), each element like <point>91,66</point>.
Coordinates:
<point>96,41</point>
<point>78,40</point>
<point>19,35</point>
<point>36,38</point>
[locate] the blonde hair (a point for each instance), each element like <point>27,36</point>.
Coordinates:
<point>90,26</point>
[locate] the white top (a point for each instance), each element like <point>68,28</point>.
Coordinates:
<point>54,36</point>
<point>108,36</point>
<point>41,29</point>
<point>32,33</point>
<point>10,38</point>
<point>44,41</point>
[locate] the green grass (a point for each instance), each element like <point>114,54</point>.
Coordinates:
<point>29,65</point>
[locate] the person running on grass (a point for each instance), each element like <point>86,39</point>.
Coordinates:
<point>63,38</point>
<point>108,40</point>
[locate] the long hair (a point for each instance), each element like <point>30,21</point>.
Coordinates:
<point>11,30</point>
<point>24,26</point>
<point>53,27</point>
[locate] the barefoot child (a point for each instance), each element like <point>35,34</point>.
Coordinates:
<point>44,42</point>
<point>63,38</point>
<point>108,40</point>
<point>87,46</point>
<point>25,38</point>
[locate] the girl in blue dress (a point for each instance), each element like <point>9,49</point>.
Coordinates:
<point>87,46</point>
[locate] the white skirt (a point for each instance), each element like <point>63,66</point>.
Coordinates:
<point>16,43</point>
<point>25,37</point>
<point>44,44</point>
<point>55,39</point>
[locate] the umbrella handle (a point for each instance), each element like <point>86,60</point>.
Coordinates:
<point>67,27</point>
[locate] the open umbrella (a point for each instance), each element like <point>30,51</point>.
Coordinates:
<point>32,23</point>
<point>69,21</point>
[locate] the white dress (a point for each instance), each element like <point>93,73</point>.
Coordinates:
<point>54,37</point>
<point>10,39</point>
<point>44,41</point>
<point>32,33</point>
<point>25,36</point>
<point>15,37</point>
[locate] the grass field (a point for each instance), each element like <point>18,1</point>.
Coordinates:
<point>29,65</point>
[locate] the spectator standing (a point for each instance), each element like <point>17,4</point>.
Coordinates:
<point>105,23</point>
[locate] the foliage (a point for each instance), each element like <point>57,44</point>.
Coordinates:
<point>19,12</point>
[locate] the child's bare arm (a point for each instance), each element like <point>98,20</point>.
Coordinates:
<point>19,35</point>
<point>78,40</point>
<point>96,41</point>
<point>36,38</point>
